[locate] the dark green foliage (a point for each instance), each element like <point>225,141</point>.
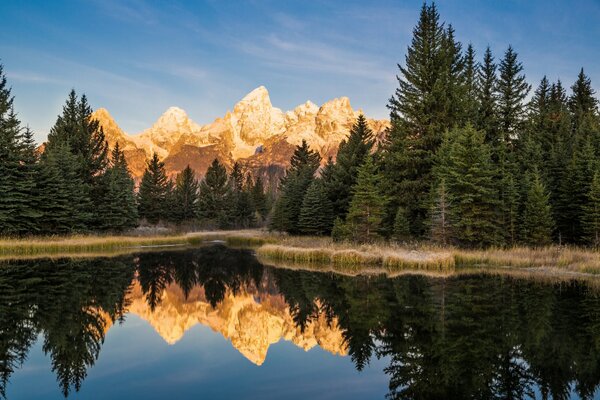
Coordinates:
<point>440,223</point>
<point>85,138</point>
<point>18,209</point>
<point>469,175</point>
<point>259,198</point>
<point>537,218</point>
<point>429,100</point>
<point>512,90</point>
<point>185,196</point>
<point>487,99</point>
<point>304,164</point>
<point>401,225</point>
<point>316,213</point>
<point>155,192</point>
<point>582,103</point>
<point>64,204</point>
<point>242,206</point>
<point>591,213</point>
<point>367,208</point>
<point>341,176</point>
<point>471,78</point>
<point>214,193</point>
<point>119,208</point>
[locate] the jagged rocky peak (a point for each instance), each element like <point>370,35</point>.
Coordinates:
<point>253,123</point>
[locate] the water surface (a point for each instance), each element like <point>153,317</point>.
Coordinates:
<point>215,323</point>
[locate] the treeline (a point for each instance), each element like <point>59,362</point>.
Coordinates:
<point>75,184</point>
<point>468,160</point>
<point>220,200</point>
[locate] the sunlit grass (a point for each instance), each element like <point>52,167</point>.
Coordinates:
<point>322,253</point>
<point>112,245</point>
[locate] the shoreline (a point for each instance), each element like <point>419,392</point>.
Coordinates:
<point>318,253</point>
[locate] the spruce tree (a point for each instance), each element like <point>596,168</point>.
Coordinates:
<point>185,195</point>
<point>440,224</point>
<point>469,175</point>
<point>426,103</point>
<point>537,217</point>
<point>303,165</point>
<point>119,208</point>
<point>64,204</point>
<point>471,68</point>
<point>154,192</point>
<point>591,213</point>
<point>213,195</point>
<point>259,198</point>
<point>367,207</point>
<point>401,225</point>
<point>316,213</point>
<point>582,103</point>
<point>487,114</point>
<point>341,176</point>
<point>85,138</point>
<point>512,88</point>
<point>18,211</point>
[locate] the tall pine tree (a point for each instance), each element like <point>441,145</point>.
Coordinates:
<point>367,208</point>
<point>293,186</point>
<point>341,176</point>
<point>185,195</point>
<point>154,192</point>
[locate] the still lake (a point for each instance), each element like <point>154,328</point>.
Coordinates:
<point>215,323</point>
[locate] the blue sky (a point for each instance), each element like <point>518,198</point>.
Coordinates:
<point>137,58</point>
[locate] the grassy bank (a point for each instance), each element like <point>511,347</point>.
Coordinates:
<point>91,245</point>
<point>322,253</point>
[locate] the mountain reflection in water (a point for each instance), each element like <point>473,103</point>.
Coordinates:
<point>466,336</point>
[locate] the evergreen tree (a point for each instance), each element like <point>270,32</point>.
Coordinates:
<point>18,169</point>
<point>591,215</point>
<point>214,193</point>
<point>341,176</point>
<point>154,192</point>
<point>119,208</point>
<point>582,103</point>
<point>293,186</point>
<point>367,207</point>
<point>487,114</point>
<point>440,224</point>
<point>469,176</point>
<point>64,204</point>
<point>85,138</point>
<point>512,89</point>
<point>185,195</point>
<point>259,198</point>
<point>537,217</point>
<point>316,213</point>
<point>401,225</point>
<point>427,102</point>
<point>471,68</point>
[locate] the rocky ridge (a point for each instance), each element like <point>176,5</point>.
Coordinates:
<point>261,137</point>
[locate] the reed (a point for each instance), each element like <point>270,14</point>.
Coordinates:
<point>369,256</point>
<point>110,245</point>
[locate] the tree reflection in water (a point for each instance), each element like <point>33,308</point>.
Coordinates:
<point>468,336</point>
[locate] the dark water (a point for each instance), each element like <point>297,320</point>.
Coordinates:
<point>214,323</point>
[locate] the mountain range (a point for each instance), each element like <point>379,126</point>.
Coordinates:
<point>251,319</point>
<point>257,135</point>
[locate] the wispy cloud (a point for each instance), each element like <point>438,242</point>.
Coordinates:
<point>128,10</point>
<point>317,56</point>
<point>32,77</point>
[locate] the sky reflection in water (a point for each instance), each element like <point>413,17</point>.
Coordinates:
<point>215,323</point>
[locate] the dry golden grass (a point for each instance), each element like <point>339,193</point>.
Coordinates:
<point>35,247</point>
<point>394,258</point>
<point>323,254</point>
